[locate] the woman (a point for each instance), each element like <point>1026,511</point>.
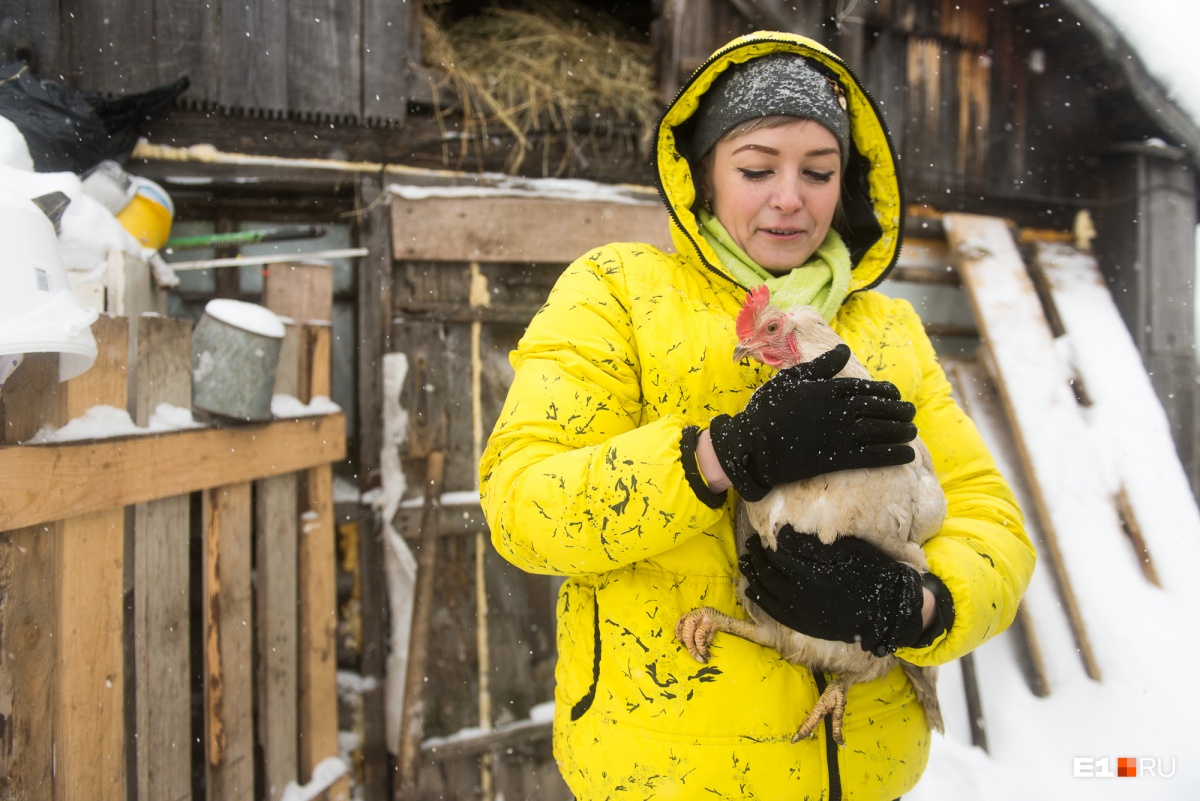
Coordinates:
<point>626,440</point>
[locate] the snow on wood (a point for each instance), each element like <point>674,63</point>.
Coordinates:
<point>1069,494</point>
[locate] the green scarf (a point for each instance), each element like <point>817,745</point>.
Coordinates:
<point>821,282</point>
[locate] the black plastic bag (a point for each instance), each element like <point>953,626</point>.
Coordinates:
<point>68,130</point>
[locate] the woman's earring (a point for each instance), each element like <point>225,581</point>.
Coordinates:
<point>708,204</point>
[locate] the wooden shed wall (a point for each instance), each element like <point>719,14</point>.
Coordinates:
<point>990,102</point>
<point>315,59</point>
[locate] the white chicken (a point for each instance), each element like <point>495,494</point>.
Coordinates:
<point>896,509</point>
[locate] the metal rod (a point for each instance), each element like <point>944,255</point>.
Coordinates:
<point>238,261</point>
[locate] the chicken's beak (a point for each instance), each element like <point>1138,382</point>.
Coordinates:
<point>741,351</point>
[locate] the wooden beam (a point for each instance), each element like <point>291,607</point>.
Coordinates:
<point>976,393</point>
<point>519,229</point>
<point>318,714</point>
<point>89,667</point>
<point>1053,443</point>
<point>276,536</point>
<point>373,319</point>
<point>317,584</point>
<point>160,585</point>
<point>412,722</point>
<point>43,483</point>
<point>517,734</point>
<point>228,643</point>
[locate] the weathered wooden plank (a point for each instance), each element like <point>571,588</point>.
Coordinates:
<point>89,723</point>
<point>318,724</point>
<point>519,229</point>
<point>391,34</point>
<point>228,620</point>
<point>518,733</point>
<point>976,393</point>
<point>374,635</point>
<point>316,349</point>
<point>27,612</point>
<point>412,726</point>
<point>254,45</point>
<point>89,664</point>
<point>317,584</point>
<point>276,547</point>
<point>374,290</point>
<point>27,657</point>
<point>1147,238</point>
<point>301,290</point>
<point>1054,445</point>
<point>160,554</point>
<point>94,475</point>
<point>1153,492</point>
<point>111,45</point>
<point>187,42</point>
<point>324,58</point>
<point>30,397</point>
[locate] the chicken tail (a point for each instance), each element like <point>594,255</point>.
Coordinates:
<point>924,682</point>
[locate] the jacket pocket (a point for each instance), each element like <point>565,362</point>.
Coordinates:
<point>577,673</point>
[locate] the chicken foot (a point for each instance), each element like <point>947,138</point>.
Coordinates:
<point>696,630</point>
<point>833,703</point>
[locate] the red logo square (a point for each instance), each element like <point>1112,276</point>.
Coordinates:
<point>1127,766</point>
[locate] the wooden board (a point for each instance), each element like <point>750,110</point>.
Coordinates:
<point>1069,494</point>
<point>373,322</point>
<point>27,646</point>
<point>27,613</point>
<point>324,62</point>
<point>228,620</point>
<point>160,554</point>
<point>519,229</point>
<point>1154,493</point>
<point>317,585</point>
<point>318,624</point>
<point>89,665</point>
<point>392,33</point>
<point>976,393</point>
<point>254,74</point>
<point>92,475</point>
<point>300,290</point>
<point>276,615</point>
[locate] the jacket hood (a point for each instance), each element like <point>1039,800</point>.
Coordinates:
<point>871,195</point>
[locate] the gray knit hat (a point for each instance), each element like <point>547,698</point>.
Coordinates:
<point>783,83</point>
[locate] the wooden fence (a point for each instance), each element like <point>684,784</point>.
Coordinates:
<point>167,600</point>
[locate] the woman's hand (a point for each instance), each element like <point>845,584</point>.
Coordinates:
<point>805,422</point>
<point>848,591</point>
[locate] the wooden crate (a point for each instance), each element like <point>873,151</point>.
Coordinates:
<point>140,573</point>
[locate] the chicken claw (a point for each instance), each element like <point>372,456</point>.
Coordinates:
<point>833,703</point>
<point>695,630</point>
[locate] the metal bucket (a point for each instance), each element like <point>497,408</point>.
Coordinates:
<point>235,353</point>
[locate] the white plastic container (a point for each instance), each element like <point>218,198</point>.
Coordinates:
<point>38,312</point>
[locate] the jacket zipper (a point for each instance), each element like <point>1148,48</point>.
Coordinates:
<point>831,755</point>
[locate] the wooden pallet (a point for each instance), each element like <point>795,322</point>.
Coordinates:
<point>64,548</point>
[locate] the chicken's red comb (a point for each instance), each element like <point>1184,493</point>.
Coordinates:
<point>757,299</point>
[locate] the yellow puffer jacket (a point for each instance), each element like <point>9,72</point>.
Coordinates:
<point>582,477</point>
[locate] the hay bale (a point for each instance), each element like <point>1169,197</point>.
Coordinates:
<point>554,69</point>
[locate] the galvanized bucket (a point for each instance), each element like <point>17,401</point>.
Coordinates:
<point>235,353</point>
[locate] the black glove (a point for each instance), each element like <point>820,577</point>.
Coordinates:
<point>849,591</point>
<point>804,422</point>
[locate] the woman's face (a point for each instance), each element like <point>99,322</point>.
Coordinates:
<point>775,189</point>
